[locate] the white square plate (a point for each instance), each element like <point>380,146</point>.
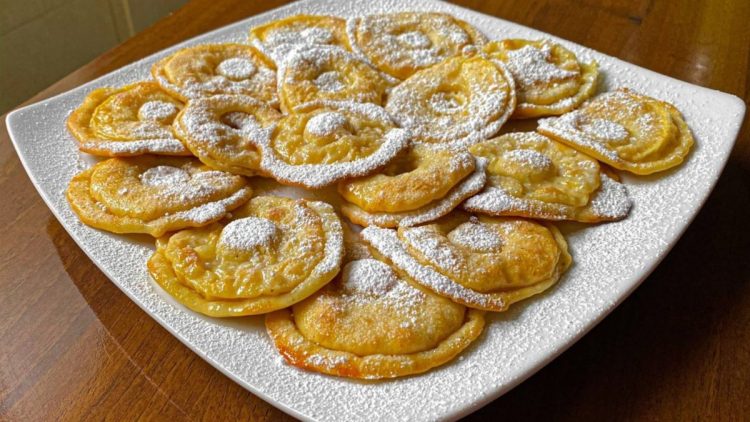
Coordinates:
<point>610,259</point>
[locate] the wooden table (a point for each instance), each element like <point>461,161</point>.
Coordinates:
<point>73,347</point>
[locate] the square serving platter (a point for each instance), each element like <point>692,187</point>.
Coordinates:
<point>610,260</point>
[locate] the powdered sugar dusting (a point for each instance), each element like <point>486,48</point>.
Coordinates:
<point>246,234</point>
<point>414,39</point>
<point>531,66</point>
<point>157,110</point>
<point>611,200</point>
<point>427,242</point>
<point>475,236</point>
<point>203,126</point>
<point>143,146</point>
<point>567,127</point>
<point>162,176</point>
<point>325,123</point>
<point>236,68</point>
<point>329,81</point>
<point>211,211</point>
<point>178,183</point>
<point>279,44</point>
<point>529,158</point>
<point>605,130</point>
<point>368,276</point>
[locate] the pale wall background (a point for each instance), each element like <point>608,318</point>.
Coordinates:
<point>43,40</point>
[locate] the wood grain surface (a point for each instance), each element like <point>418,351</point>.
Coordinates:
<point>73,347</point>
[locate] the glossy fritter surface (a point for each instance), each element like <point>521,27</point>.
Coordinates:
<point>211,69</point>
<point>416,178</point>
<point>151,194</point>
<point>373,323</point>
<point>321,73</point>
<point>223,131</point>
<point>549,78</point>
<point>276,39</point>
<point>626,130</point>
<point>459,101</point>
<point>273,253</point>
<point>401,44</point>
<point>465,188</point>
<point>132,120</point>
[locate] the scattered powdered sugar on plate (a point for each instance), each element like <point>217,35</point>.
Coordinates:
<point>246,234</point>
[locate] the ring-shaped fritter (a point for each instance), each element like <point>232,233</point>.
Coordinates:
<point>211,69</point>
<point>626,130</point>
<point>272,253</point>
<point>223,131</point>
<point>532,166</point>
<point>122,122</point>
<point>277,39</point>
<point>329,141</point>
<point>431,211</point>
<point>400,44</point>
<point>486,263</point>
<point>373,323</point>
<point>458,102</point>
<point>550,80</point>
<point>328,73</point>
<point>154,194</point>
